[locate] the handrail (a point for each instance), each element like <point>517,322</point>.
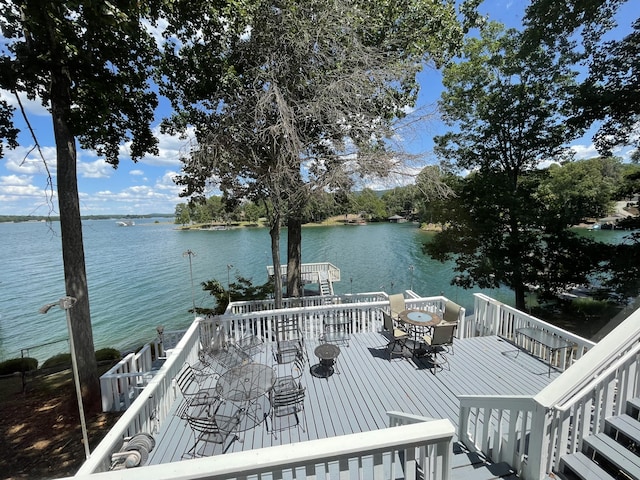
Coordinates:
<point>598,382</point>
<point>592,385</point>
<point>148,411</point>
<point>360,455</point>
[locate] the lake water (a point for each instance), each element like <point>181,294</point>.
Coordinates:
<point>139,277</point>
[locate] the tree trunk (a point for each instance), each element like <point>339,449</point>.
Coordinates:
<point>294,256</point>
<point>72,244</point>
<point>521,299</point>
<point>274,233</point>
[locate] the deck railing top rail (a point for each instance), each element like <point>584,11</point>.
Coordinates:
<point>322,456</point>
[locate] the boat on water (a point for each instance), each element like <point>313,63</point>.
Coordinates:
<point>125,223</point>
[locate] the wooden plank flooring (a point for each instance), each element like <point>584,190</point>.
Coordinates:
<point>369,385</point>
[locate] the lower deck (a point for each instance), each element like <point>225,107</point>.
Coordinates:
<point>367,385</point>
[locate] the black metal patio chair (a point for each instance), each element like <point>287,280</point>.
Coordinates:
<point>289,340</point>
<point>287,409</point>
<point>214,429</point>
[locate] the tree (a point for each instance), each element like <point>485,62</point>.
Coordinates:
<point>479,237</point>
<point>294,99</point>
<point>506,108</point>
<point>608,94</point>
<point>370,204</point>
<point>242,289</point>
<point>581,189</point>
<point>88,62</point>
<point>182,214</point>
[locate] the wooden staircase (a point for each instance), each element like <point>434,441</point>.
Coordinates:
<point>326,288</point>
<point>610,455</point>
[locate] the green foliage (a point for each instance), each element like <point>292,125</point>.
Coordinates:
<point>58,361</point>
<point>106,55</point>
<point>506,108</point>
<point>13,365</point>
<point>581,189</point>
<point>182,214</point>
<point>369,205</point>
<point>622,268</point>
<point>608,94</point>
<point>108,354</point>
<point>292,101</point>
<point>240,290</point>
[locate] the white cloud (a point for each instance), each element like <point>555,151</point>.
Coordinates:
<point>136,172</point>
<point>589,151</point>
<point>33,107</point>
<point>27,160</point>
<point>94,169</point>
<point>584,151</point>
<point>170,148</point>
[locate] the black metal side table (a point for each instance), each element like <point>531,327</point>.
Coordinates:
<point>327,353</point>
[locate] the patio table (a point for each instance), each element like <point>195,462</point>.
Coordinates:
<point>420,322</point>
<point>247,385</point>
<point>552,343</point>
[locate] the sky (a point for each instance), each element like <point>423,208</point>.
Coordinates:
<point>147,186</point>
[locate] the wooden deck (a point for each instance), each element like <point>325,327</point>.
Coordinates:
<point>368,385</point>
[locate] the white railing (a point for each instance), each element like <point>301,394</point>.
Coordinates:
<point>121,384</point>
<point>533,433</point>
<point>236,308</point>
<point>150,408</point>
<point>359,316</point>
<point>309,269</point>
<point>147,412</point>
<point>125,381</point>
<point>495,318</point>
<point>420,450</point>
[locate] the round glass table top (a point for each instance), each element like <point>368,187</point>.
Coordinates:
<point>421,317</point>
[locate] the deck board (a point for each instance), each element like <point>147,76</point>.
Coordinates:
<point>369,385</point>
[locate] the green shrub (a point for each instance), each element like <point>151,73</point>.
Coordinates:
<point>14,365</point>
<point>108,354</point>
<point>60,360</point>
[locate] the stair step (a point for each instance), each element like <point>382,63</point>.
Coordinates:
<point>582,467</point>
<point>604,449</point>
<point>625,425</point>
<point>633,407</point>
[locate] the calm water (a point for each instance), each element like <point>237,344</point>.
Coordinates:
<point>139,277</point>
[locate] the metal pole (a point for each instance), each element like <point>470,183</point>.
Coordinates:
<point>191,253</point>
<point>229,267</point>
<point>66,303</point>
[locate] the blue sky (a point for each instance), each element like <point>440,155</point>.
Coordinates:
<point>147,186</point>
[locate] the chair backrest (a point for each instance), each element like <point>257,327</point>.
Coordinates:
<point>186,381</point>
<point>443,334</point>
<point>388,321</point>
<point>214,424</point>
<point>451,312</point>
<point>287,328</point>
<point>396,304</point>
<point>298,366</point>
<point>288,398</point>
